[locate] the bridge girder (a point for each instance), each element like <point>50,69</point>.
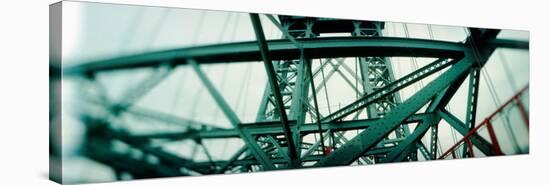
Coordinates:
<point>314,48</point>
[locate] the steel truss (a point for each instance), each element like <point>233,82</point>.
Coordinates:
<point>275,140</point>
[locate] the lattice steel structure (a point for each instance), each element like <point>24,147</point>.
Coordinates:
<point>380,119</point>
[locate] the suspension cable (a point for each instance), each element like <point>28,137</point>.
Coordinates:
<point>414,63</point>
<point>438,149</point>
<point>492,91</point>
<point>224,73</point>
<point>325,85</point>
<point>508,71</point>
<point>129,37</point>
<point>224,27</point>
<point>157,29</point>
<point>199,91</point>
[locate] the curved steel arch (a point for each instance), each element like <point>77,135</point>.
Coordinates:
<point>328,47</point>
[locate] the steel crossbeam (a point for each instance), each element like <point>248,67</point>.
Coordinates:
<point>370,136</point>
<point>327,47</point>
<point>389,89</point>
<point>269,128</point>
<point>247,138</point>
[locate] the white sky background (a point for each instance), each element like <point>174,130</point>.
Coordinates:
<point>107,31</point>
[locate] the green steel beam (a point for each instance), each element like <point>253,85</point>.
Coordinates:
<point>482,144</point>
<point>100,134</point>
<point>433,140</point>
<point>169,118</point>
<point>411,140</point>
<point>480,43</point>
<point>389,89</point>
<point>372,135</point>
<point>423,150</point>
<point>508,43</point>
<point>284,31</point>
<point>125,162</point>
<point>300,103</point>
<point>233,158</point>
<point>247,138</point>
<point>409,149</point>
<point>444,97</point>
<point>280,150</point>
<point>315,146</point>
<point>328,47</point>
<point>471,107</point>
<point>276,160</point>
<point>270,128</point>
<point>377,72</point>
<point>341,139</point>
<point>330,25</point>
<point>272,76</point>
<point>317,113</point>
<point>479,38</point>
<point>249,161</point>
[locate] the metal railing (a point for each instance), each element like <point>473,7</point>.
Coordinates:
<point>487,123</point>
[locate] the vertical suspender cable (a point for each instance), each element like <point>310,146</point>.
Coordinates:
<point>508,71</point>
<point>134,24</point>
<point>224,73</point>
<point>199,91</point>
<point>325,85</point>
<point>494,95</point>
<point>413,59</point>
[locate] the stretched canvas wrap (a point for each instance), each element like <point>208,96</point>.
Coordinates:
<point>145,92</point>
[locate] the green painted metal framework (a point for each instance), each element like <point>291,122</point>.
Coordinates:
<point>275,140</point>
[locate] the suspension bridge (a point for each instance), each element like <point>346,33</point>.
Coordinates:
<point>295,125</point>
